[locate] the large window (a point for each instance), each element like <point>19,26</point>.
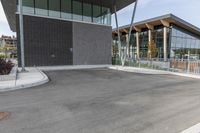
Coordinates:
<point>106,16</point>
<point>184,45</point>
<point>87,12</point>
<point>28,6</point>
<point>97,18</point>
<point>54,8</point>
<point>77,10</point>
<point>41,7</point>
<point>69,9</point>
<point>144,44</point>
<point>66,11</point>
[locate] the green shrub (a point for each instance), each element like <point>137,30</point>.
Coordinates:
<point>5,66</point>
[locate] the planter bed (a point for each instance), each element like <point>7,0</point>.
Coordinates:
<point>11,76</point>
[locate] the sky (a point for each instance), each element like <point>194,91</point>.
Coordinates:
<point>188,10</point>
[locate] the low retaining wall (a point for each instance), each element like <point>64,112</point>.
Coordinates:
<point>11,76</point>
<point>163,65</point>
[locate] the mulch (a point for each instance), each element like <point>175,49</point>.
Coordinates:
<point>4,115</point>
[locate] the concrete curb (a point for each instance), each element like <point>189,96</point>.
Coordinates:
<point>138,70</point>
<point>75,67</point>
<point>150,71</point>
<point>193,129</point>
<point>186,75</point>
<point>42,81</point>
<point>11,76</point>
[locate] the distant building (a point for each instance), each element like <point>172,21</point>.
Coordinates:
<point>8,40</point>
<point>8,46</point>
<point>165,37</point>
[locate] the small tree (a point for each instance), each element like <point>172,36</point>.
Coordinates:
<point>114,50</point>
<point>5,66</point>
<point>152,50</point>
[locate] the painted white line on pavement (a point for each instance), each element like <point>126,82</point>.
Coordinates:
<point>193,129</point>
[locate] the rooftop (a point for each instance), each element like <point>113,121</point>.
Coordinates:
<point>162,20</point>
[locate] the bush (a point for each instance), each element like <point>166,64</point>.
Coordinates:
<point>5,66</point>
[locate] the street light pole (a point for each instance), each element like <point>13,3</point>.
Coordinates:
<point>21,27</point>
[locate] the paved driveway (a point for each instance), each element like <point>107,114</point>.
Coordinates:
<point>103,101</point>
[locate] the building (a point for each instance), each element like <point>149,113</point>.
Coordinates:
<point>64,32</point>
<point>8,40</point>
<point>8,46</point>
<point>162,38</point>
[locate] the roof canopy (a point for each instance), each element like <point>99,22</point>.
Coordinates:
<point>164,20</point>
<point>10,8</point>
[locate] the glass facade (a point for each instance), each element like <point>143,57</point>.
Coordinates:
<point>144,48</point>
<point>143,39</point>
<point>69,10</point>
<point>157,41</point>
<point>54,8</point>
<point>40,7</point>
<point>181,44</point>
<point>184,45</point>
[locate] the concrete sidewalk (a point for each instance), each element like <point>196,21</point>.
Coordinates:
<point>33,77</point>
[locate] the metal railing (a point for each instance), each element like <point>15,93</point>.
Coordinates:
<point>173,65</point>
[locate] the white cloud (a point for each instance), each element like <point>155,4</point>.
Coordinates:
<point>144,3</point>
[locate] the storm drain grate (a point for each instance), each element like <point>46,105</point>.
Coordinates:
<point>4,115</point>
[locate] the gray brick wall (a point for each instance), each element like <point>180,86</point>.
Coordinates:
<point>47,42</point>
<point>50,42</point>
<point>91,44</point>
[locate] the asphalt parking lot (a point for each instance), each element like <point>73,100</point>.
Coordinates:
<point>103,101</point>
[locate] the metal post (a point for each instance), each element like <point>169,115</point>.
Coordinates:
<point>21,34</point>
<point>118,32</point>
<point>138,45</point>
<point>165,43</point>
<point>131,26</point>
<point>188,67</point>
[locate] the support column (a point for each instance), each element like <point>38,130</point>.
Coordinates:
<point>138,45</point>
<point>150,27</point>
<point>21,26</point>
<point>165,43</point>
<point>118,32</point>
<point>165,24</point>
<point>132,25</point>
<point>149,36</point>
<point>128,46</point>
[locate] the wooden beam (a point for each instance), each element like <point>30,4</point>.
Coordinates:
<point>137,29</point>
<point>115,31</point>
<point>165,23</point>
<point>125,30</point>
<point>149,26</point>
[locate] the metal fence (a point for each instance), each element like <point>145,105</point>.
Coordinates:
<point>173,65</point>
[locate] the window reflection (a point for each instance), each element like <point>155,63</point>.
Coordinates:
<point>66,11</point>
<point>54,8</point>
<point>41,7</point>
<point>87,12</point>
<point>184,45</point>
<point>77,10</point>
<point>28,6</point>
<point>69,10</point>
